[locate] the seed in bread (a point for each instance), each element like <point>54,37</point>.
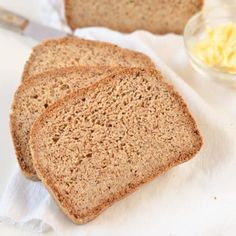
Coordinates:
<point>101,143</point>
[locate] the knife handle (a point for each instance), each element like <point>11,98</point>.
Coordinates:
<point>12,21</point>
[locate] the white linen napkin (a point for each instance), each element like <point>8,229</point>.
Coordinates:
<point>195,198</point>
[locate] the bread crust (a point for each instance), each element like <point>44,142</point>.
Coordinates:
<point>68,14</point>
<point>68,210</point>
<point>31,82</point>
<point>78,41</point>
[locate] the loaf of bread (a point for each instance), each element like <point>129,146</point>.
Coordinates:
<point>72,51</point>
<point>99,144</point>
<point>156,16</point>
<point>36,94</point>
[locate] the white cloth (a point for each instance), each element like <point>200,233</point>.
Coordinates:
<point>195,198</point>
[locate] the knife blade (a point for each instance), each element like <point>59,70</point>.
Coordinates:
<point>14,22</point>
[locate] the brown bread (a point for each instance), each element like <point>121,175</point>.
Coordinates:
<point>36,94</point>
<point>101,143</point>
<point>72,51</point>
<point>156,16</point>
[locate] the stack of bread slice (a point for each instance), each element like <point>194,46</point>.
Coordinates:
<point>94,121</point>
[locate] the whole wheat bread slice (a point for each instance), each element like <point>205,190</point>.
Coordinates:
<point>97,145</point>
<point>72,51</point>
<point>157,16</point>
<point>36,94</point>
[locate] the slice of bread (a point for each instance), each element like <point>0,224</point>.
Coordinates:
<point>156,16</point>
<point>101,143</point>
<point>36,94</point>
<point>72,51</point>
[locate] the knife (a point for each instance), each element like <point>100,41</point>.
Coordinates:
<point>20,24</point>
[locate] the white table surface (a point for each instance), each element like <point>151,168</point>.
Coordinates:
<point>14,50</point>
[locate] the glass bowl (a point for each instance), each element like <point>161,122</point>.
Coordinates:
<point>195,30</point>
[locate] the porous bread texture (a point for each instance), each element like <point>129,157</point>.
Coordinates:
<point>36,94</point>
<point>101,143</point>
<point>156,16</point>
<point>73,51</point>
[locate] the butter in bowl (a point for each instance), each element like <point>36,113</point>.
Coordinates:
<point>210,40</point>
